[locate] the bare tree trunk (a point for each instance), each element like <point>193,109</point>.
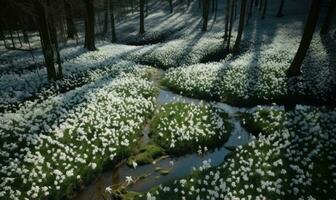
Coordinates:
<point>241,24</point>
<point>113,31</point>
<point>250,11</point>
<point>89,42</point>
<point>205,15</point>
<point>12,38</point>
<point>171,6</point>
<point>231,24</point>
<point>216,5</point>
<point>280,13</point>
<point>132,6</point>
<point>260,5</point>
<point>2,35</point>
<point>106,6</point>
<point>46,40</point>
<point>142,17</point>
<point>256,3</point>
<point>19,38</point>
<point>71,28</point>
<point>147,8</point>
<point>227,16</point>
<point>53,34</point>
<point>264,10</point>
<point>295,68</point>
<point>328,19</point>
<point>212,6</point>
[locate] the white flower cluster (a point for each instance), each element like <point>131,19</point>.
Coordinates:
<point>296,161</point>
<point>83,69</point>
<point>50,147</point>
<point>181,127</point>
<point>178,52</point>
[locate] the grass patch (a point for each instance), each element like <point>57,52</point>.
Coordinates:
<point>182,128</point>
<point>146,155</point>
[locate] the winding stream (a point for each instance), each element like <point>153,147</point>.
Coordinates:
<point>178,167</point>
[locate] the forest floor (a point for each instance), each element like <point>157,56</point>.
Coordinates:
<point>170,115</point>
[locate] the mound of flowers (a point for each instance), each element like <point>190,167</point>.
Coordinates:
<point>293,161</point>
<point>251,80</point>
<point>178,52</point>
<point>88,67</point>
<point>181,128</point>
<point>56,146</point>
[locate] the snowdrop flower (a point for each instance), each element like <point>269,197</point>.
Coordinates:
<point>134,164</point>
<point>128,179</point>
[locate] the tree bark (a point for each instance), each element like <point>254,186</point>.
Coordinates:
<point>216,6</point>
<point>89,42</point>
<point>171,6</point>
<point>280,13</point>
<point>46,40</point>
<point>71,28</point>
<point>205,15</point>
<point>241,24</point>
<point>142,17</point>
<point>227,16</point>
<point>295,68</point>
<point>264,10</point>
<point>231,24</point>
<point>328,19</point>
<point>256,3</point>
<point>113,31</point>
<point>106,6</point>
<point>53,34</point>
<point>147,8</point>
<point>250,10</point>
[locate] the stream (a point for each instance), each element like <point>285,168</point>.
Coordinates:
<point>178,167</point>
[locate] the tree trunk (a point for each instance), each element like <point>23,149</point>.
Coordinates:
<point>260,5</point>
<point>216,6</point>
<point>295,68</point>
<point>241,24</point>
<point>53,34</point>
<point>264,10</point>
<point>280,13</point>
<point>250,12</point>
<point>89,26</point>
<point>46,40</point>
<point>132,6</point>
<point>212,6</point>
<point>147,8</point>
<point>106,6</point>
<point>256,3</point>
<point>171,6</point>
<point>142,17</point>
<point>227,16</point>
<point>205,14</point>
<point>328,19</point>
<point>113,31</point>
<point>231,24</point>
<point>71,28</point>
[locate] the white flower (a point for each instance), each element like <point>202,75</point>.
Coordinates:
<point>128,179</point>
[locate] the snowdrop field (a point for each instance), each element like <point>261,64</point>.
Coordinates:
<point>168,100</point>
